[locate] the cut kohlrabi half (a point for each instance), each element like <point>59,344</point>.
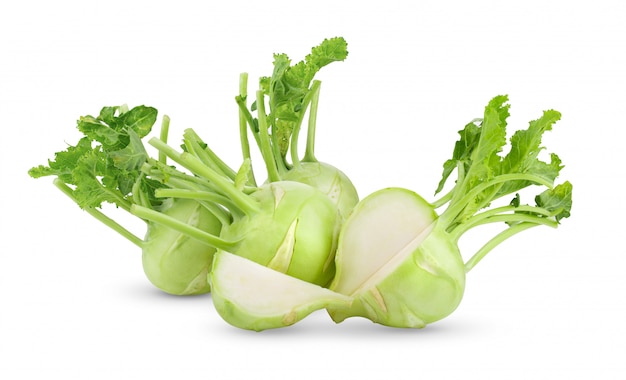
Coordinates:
<point>401,261</point>
<point>254,297</point>
<point>392,260</point>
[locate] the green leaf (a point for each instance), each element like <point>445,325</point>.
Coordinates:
<point>105,165</point>
<point>523,156</point>
<point>144,193</point>
<point>140,119</point>
<point>557,200</point>
<point>90,190</point>
<point>483,151</point>
<point>526,144</point>
<point>484,175</point>
<point>547,171</point>
<point>111,130</point>
<point>132,156</point>
<point>331,50</point>
<point>462,151</point>
<point>64,162</point>
<point>264,86</point>
<point>289,85</point>
<point>108,116</point>
<point>98,130</point>
<point>515,202</point>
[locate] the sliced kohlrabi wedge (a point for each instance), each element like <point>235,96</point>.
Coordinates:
<point>253,297</point>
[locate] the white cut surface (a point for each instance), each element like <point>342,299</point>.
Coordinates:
<point>264,291</point>
<point>384,228</point>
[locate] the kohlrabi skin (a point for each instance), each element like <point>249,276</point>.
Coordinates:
<point>294,232</point>
<point>330,180</point>
<point>173,261</point>
<point>254,297</point>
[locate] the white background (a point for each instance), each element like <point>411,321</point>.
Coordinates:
<point>73,297</point>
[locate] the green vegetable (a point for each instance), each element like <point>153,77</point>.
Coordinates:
<point>173,261</point>
<point>255,305</point>
<point>284,225</point>
<point>422,278</point>
<point>330,180</point>
<point>291,92</point>
<point>105,166</point>
<point>302,241</point>
<point>399,261</point>
<point>288,226</point>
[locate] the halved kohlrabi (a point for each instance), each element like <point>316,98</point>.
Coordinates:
<point>394,261</point>
<point>400,260</point>
<point>254,297</point>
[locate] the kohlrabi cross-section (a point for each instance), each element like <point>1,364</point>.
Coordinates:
<point>254,297</point>
<point>105,166</point>
<point>291,93</point>
<point>400,261</point>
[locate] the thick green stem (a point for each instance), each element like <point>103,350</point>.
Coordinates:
<point>194,148</point>
<point>191,184</point>
<point>201,150</point>
<point>245,113</point>
<point>453,194</point>
<point>175,178</point>
<point>309,154</point>
<point>266,146</point>
<point>488,216</point>
<point>502,218</point>
<point>312,93</point>
<point>243,201</point>
<point>506,214</point>
<point>100,216</point>
<point>239,199</point>
<point>165,130</point>
<point>275,145</point>
<point>443,200</point>
<point>243,126</point>
<point>182,227</point>
<point>219,212</point>
<point>457,205</point>
<point>491,244</point>
<point>121,201</point>
<point>200,195</point>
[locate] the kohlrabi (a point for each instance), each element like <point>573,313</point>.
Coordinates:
<point>398,260</point>
<point>291,92</point>
<point>105,166</point>
<point>285,225</point>
<point>253,297</point>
